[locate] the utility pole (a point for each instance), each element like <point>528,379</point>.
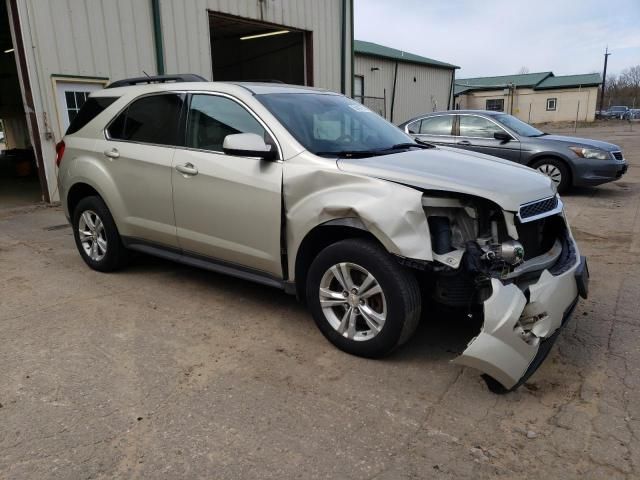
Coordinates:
<point>604,78</point>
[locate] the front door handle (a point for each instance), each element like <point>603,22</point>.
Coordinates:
<point>187,169</point>
<point>113,153</point>
<point>465,143</point>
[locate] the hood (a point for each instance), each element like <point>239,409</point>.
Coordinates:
<point>501,181</point>
<point>580,142</point>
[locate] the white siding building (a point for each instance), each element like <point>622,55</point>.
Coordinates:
<point>533,97</point>
<point>59,50</point>
<point>400,85</point>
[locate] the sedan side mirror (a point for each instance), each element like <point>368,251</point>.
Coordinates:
<point>248,145</point>
<point>502,136</point>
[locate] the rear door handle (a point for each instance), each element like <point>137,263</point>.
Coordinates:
<point>187,169</point>
<point>463,142</point>
<point>113,153</point>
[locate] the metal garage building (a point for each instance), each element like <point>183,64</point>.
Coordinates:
<point>400,85</point>
<point>60,50</point>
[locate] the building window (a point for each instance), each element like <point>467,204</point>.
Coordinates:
<point>74,101</point>
<point>551,104</point>
<point>358,88</point>
<point>495,104</point>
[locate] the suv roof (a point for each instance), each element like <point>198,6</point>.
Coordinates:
<point>253,87</point>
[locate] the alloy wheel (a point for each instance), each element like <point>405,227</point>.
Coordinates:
<point>92,235</point>
<point>552,172</point>
<point>352,301</point>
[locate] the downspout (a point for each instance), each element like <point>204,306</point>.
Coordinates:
<point>393,91</point>
<point>352,48</point>
<point>157,36</point>
<point>343,50</point>
<point>453,76</point>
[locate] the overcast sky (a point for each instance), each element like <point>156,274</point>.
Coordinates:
<point>499,37</point>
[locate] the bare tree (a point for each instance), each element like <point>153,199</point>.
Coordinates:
<point>630,77</point>
<point>523,70</point>
<point>624,89</point>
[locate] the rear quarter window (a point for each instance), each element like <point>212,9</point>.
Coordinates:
<point>151,119</point>
<point>93,107</point>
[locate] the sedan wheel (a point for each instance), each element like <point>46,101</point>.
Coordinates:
<point>552,172</point>
<point>92,235</point>
<point>353,301</point>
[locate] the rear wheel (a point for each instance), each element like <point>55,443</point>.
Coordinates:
<point>362,300</point>
<point>96,235</point>
<point>557,171</point>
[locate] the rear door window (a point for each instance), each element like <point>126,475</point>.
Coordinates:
<point>414,127</point>
<point>438,125</point>
<point>152,119</point>
<point>91,108</point>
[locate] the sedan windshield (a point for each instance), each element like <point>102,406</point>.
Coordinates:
<point>518,126</point>
<point>334,125</point>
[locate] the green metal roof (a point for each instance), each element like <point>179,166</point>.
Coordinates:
<point>568,81</point>
<point>537,81</point>
<point>375,50</point>
<point>521,80</point>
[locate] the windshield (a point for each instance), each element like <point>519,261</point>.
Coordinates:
<point>333,124</point>
<point>518,126</point>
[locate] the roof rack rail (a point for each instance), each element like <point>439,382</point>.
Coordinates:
<point>180,77</point>
<point>262,80</point>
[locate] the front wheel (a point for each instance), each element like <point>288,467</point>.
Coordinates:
<point>557,171</point>
<point>362,300</point>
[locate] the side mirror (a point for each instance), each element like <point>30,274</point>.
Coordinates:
<point>248,145</point>
<point>502,136</point>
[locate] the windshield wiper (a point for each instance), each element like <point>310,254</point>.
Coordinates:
<point>350,153</point>
<point>417,144</point>
<point>373,153</point>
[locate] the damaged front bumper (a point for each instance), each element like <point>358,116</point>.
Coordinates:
<point>523,319</point>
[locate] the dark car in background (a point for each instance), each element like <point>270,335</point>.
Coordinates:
<point>620,112</point>
<point>568,161</point>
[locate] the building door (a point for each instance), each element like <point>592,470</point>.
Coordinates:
<point>71,97</point>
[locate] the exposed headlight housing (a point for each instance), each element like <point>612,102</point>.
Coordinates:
<point>583,152</point>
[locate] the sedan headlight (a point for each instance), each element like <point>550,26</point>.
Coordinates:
<point>591,153</point>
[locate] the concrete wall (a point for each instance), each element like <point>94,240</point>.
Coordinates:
<point>429,92</point>
<point>113,39</point>
<point>531,105</point>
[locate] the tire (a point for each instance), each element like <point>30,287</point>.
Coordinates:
<point>97,236</point>
<point>354,323</point>
<point>555,169</point>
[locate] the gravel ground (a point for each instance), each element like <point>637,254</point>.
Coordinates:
<point>163,371</point>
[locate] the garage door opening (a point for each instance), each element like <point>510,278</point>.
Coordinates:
<point>19,175</point>
<point>248,50</point>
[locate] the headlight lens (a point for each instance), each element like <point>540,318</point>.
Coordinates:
<point>591,153</point>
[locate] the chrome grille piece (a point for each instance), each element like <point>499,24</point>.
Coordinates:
<point>540,208</point>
